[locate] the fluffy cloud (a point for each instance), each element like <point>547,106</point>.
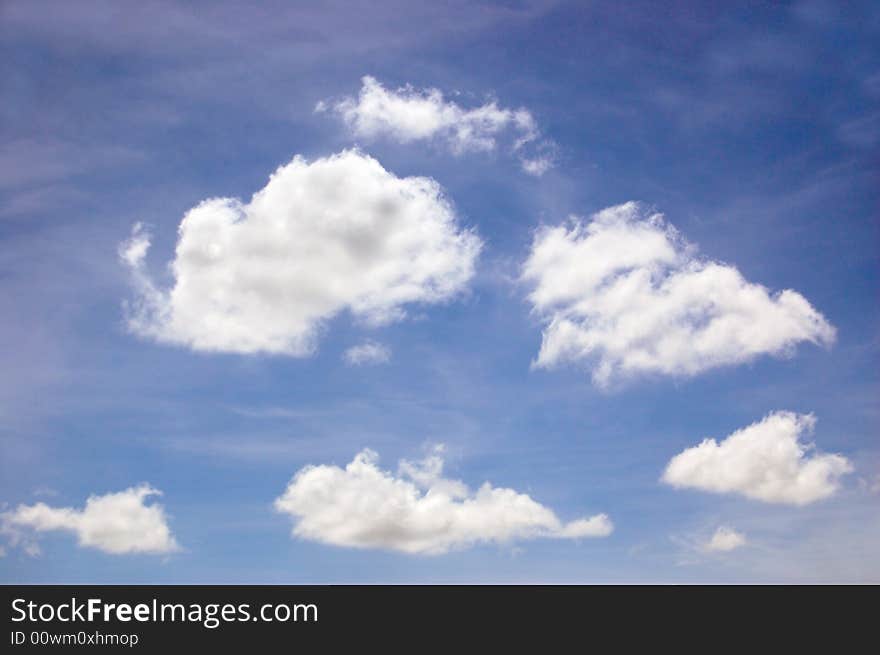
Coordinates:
<point>339,233</point>
<point>626,293</point>
<point>724,540</point>
<point>408,114</point>
<point>765,461</point>
<point>116,523</point>
<point>417,510</point>
<point>368,352</point>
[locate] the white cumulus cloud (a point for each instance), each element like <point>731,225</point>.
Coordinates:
<point>368,352</point>
<point>417,510</point>
<point>725,539</point>
<point>764,461</point>
<point>116,523</point>
<point>408,114</point>
<point>338,233</point>
<point>626,293</point>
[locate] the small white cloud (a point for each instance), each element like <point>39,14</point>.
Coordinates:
<point>134,250</point>
<point>537,166</point>
<point>725,539</point>
<point>416,511</point>
<point>625,293</point>
<point>408,114</point>
<point>339,233</point>
<point>116,523</point>
<point>368,352</point>
<point>765,461</point>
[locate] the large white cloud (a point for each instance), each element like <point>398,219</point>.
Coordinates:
<point>624,292</point>
<point>765,461</point>
<point>116,523</point>
<point>338,233</point>
<point>417,510</point>
<point>407,114</point>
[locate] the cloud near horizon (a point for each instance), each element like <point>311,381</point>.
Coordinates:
<point>724,540</point>
<point>416,511</point>
<point>764,461</point>
<point>336,234</point>
<point>116,523</point>
<point>408,114</point>
<point>626,294</point>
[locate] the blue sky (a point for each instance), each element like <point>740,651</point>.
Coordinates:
<point>754,131</point>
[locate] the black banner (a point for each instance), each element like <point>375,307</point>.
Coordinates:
<point>548,618</point>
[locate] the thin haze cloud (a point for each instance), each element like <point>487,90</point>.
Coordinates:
<point>367,352</point>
